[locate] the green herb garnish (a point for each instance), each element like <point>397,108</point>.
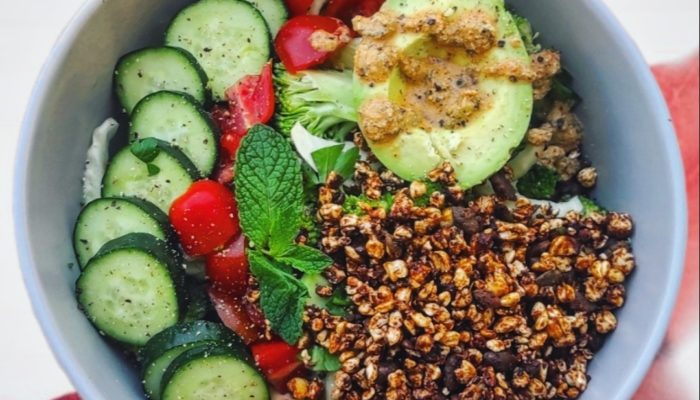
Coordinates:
<point>269,190</point>
<point>305,259</point>
<point>354,204</point>
<point>323,361</point>
<point>527,34</point>
<point>282,296</point>
<point>333,158</point>
<point>539,183</point>
<point>590,206</point>
<point>270,194</point>
<point>339,302</point>
<point>147,150</point>
<point>424,200</point>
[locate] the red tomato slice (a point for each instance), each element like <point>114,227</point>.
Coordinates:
<point>293,44</point>
<point>227,270</point>
<point>251,101</point>
<point>234,314</point>
<point>255,97</point>
<point>279,378</point>
<point>345,10</point>
<point>278,361</point>
<point>205,218</point>
<point>232,126</point>
<point>298,7</point>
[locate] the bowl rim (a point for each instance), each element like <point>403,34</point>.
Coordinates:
<point>77,373</point>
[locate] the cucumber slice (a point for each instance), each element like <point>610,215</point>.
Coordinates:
<point>212,373</point>
<point>132,289</point>
<point>128,176</point>
<point>198,304</point>
<point>176,118</point>
<point>164,347</point>
<point>150,70</point>
<point>106,219</point>
<point>274,12</point>
<point>229,38</point>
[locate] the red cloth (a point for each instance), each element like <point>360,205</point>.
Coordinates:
<point>679,83</point>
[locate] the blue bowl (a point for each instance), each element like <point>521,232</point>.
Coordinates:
<point>629,136</point>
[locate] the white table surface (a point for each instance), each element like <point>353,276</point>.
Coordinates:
<point>664,30</point>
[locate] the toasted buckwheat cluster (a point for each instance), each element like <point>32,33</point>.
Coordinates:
<point>465,298</point>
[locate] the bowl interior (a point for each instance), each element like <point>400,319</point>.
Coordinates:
<point>628,136</point>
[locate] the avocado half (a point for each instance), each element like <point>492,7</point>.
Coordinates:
<point>485,144</point>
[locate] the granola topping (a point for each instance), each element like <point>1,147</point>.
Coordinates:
<point>452,301</point>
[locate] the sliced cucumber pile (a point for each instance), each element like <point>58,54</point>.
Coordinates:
<point>110,218</point>
<point>213,373</point>
<point>150,70</point>
<point>163,348</point>
<point>229,38</point>
<point>132,289</point>
<point>176,118</point>
<point>129,176</point>
<point>132,285</point>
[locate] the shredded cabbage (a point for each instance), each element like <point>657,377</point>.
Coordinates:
<point>561,208</point>
<point>97,158</point>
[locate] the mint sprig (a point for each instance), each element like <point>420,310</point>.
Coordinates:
<point>323,361</point>
<point>282,296</point>
<point>147,150</point>
<point>269,190</point>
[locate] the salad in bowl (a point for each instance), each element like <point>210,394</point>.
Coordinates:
<point>349,200</point>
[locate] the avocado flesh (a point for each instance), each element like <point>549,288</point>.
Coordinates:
<point>484,145</point>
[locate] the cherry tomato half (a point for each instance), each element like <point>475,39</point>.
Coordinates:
<point>227,270</point>
<point>278,361</point>
<point>230,121</point>
<point>250,101</point>
<point>255,97</point>
<point>346,10</point>
<point>239,315</point>
<point>205,218</point>
<point>298,7</point>
<point>293,44</point>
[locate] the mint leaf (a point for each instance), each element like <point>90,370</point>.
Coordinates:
<point>305,259</point>
<point>145,150</point>
<point>323,361</point>
<point>326,158</point>
<point>152,169</point>
<point>339,302</point>
<point>282,296</point>
<point>269,190</point>
<point>345,165</point>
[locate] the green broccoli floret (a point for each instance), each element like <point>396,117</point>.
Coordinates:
<point>527,34</point>
<point>353,204</point>
<point>590,206</point>
<point>539,183</point>
<point>319,100</point>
